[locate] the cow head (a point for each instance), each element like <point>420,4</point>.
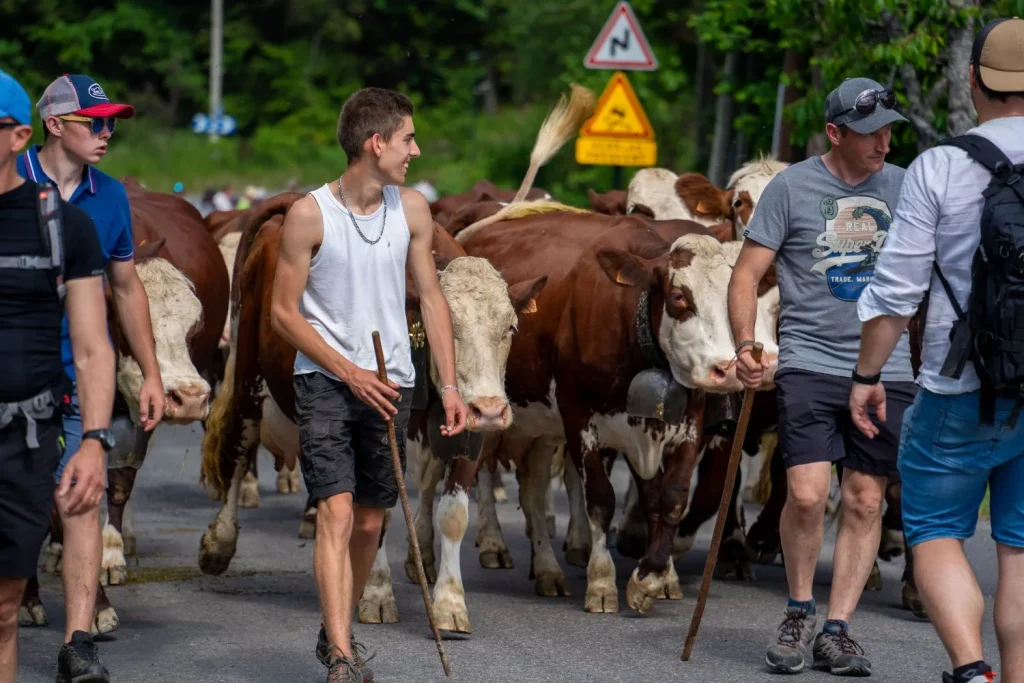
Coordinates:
<point>175,313</point>
<point>654,189</point>
<point>692,280</point>
<point>735,204</point>
<point>484,313</point>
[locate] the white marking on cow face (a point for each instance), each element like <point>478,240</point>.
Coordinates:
<point>655,188</point>
<point>699,345</point>
<point>483,321</point>
<point>752,178</point>
<point>174,311</point>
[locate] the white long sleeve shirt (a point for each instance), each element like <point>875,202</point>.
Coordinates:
<point>938,218</point>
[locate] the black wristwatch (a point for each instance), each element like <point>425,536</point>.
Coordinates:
<point>104,436</point>
<point>861,379</point>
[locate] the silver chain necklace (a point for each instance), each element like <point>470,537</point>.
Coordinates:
<point>352,216</point>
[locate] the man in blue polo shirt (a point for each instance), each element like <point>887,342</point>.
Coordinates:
<point>78,121</point>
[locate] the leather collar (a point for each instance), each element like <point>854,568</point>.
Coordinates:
<point>645,335</point>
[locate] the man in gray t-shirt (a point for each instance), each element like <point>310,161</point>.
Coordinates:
<point>824,221</point>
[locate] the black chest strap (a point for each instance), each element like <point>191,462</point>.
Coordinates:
<point>645,335</point>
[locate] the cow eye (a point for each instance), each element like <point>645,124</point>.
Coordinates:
<point>679,299</point>
<point>737,203</point>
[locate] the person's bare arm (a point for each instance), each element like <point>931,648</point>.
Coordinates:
<point>751,265</point>
<point>94,371</point>
<point>301,233</point>
<point>132,308</point>
<point>437,321</point>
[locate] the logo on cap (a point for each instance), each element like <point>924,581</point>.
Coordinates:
<point>96,91</point>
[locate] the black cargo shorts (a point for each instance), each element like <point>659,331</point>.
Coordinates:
<point>343,442</point>
<point>815,423</point>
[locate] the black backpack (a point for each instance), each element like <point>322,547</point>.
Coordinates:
<point>991,332</point>
<point>49,220</point>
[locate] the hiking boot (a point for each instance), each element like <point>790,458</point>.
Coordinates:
<point>985,675</point>
<point>788,653</point>
<point>344,670</point>
<point>79,661</point>
<point>839,654</point>
<point>323,653</point>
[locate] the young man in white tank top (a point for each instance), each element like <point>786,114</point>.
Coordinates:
<point>340,276</point>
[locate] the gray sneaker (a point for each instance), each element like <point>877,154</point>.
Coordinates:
<point>787,654</point>
<point>839,654</point>
<point>359,655</point>
<point>343,670</point>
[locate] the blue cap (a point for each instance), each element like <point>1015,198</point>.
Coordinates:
<point>14,100</point>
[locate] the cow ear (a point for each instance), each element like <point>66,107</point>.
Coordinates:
<point>701,196</point>
<point>441,262</point>
<point>644,210</point>
<point>611,203</point>
<point>145,250</point>
<point>723,232</point>
<point>524,294</point>
<point>624,268</point>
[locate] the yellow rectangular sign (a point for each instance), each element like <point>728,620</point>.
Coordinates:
<point>606,151</point>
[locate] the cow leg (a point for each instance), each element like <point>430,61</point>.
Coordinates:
<point>534,487</point>
<point>631,538</point>
<point>500,494</point>
<point>280,436</point>
<point>217,546</point>
<point>648,495</point>
<point>494,553</point>
<point>763,543</point>
<point>648,579</point>
<point>105,619</point>
<point>577,537</point>
<point>250,493</point>
<point>891,544</point>
<point>602,594</point>
<point>54,550</point>
<point>123,467</point>
<point>911,598</point>
<point>377,604</point>
<point>31,612</point>
<point>431,471</point>
<point>450,612</point>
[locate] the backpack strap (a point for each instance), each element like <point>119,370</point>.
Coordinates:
<point>986,153</point>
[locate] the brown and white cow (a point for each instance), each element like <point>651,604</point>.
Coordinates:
<point>185,281</point>
<point>570,368</point>
<point>445,208</point>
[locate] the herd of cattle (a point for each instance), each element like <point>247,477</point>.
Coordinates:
<point>556,311</point>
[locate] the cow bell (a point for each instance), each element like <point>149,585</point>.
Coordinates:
<point>721,414</point>
<point>421,364</point>
<point>655,394</point>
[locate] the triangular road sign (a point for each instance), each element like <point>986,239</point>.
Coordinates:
<point>621,44</point>
<point>618,113</point>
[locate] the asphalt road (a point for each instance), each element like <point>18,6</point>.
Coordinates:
<point>258,622</point>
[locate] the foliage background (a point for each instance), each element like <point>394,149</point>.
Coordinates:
<point>290,64</point>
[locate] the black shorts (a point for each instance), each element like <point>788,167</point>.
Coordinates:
<point>344,442</point>
<point>815,423</point>
<point>26,494</point>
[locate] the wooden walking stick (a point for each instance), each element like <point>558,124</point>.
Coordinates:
<point>723,507</point>
<point>382,373</point>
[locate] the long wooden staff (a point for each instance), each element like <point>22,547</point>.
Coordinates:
<point>382,373</point>
<point>723,507</point>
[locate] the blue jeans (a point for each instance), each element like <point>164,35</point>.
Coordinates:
<point>72,436</point>
<point>946,460</point>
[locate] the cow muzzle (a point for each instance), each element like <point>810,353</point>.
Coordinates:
<point>722,378</point>
<point>187,403</point>
<point>489,414</point>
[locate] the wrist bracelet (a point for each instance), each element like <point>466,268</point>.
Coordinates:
<point>446,387</point>
<point>869,380</point>
<point>747,342</point>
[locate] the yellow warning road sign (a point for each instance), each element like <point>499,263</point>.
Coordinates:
<point>619,133</point>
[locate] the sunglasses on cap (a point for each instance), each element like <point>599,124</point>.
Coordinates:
<point>868,101</point>
<point>97,122</point>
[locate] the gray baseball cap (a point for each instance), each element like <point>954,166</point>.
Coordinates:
<point>841,102</point>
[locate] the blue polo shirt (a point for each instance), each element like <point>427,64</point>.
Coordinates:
<point>105,200</point>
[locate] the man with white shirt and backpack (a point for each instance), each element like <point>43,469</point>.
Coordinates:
<point>958,236</point>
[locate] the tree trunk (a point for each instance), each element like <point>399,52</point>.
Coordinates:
<point>704,103</point>
<point>723,122</point>
<point>793,63</point>
<point>818,143</point>
<point>961,109</point>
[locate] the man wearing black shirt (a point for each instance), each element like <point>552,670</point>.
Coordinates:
<point>30,328</point>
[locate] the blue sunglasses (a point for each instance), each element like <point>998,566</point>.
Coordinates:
<point>98,122</point>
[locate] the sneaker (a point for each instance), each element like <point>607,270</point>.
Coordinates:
<point>79,661</point>
<point>344,670</point>
<point>323,653</point>
<point>788,653</point>
<point>986,676</point>
<point>838,653</point>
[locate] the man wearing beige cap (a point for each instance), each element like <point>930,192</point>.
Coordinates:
<point>958,235</point>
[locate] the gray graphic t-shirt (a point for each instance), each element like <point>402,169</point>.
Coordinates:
<point>828,236</point>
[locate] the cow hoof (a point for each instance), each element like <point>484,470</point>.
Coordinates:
<point>577,557</point>
<point>737,570</point>
<point>551,585</point>
<point>891,546</point>
<point>129,545</point>
<point>500,559</point>
<point>761,553</point>
<point>383,611</point>
<point>912,601</point>
<point>673,589</point>
<point>32,614</point>
<point>250,494</point>
<point>601,598</point>
<point>106,621</point>
<point>641,593</point>
<point>450,618</point>
<point>307,528</point>
<point>52,556</point>
<point>500,496</point>
<point>114,570</point>
<point>428,569</point>
<point>114,576</point>
<point>874,582</point>
<point>214,554</point>
<point>288,480</point>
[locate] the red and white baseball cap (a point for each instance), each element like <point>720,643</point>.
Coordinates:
<point>79,94</point>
